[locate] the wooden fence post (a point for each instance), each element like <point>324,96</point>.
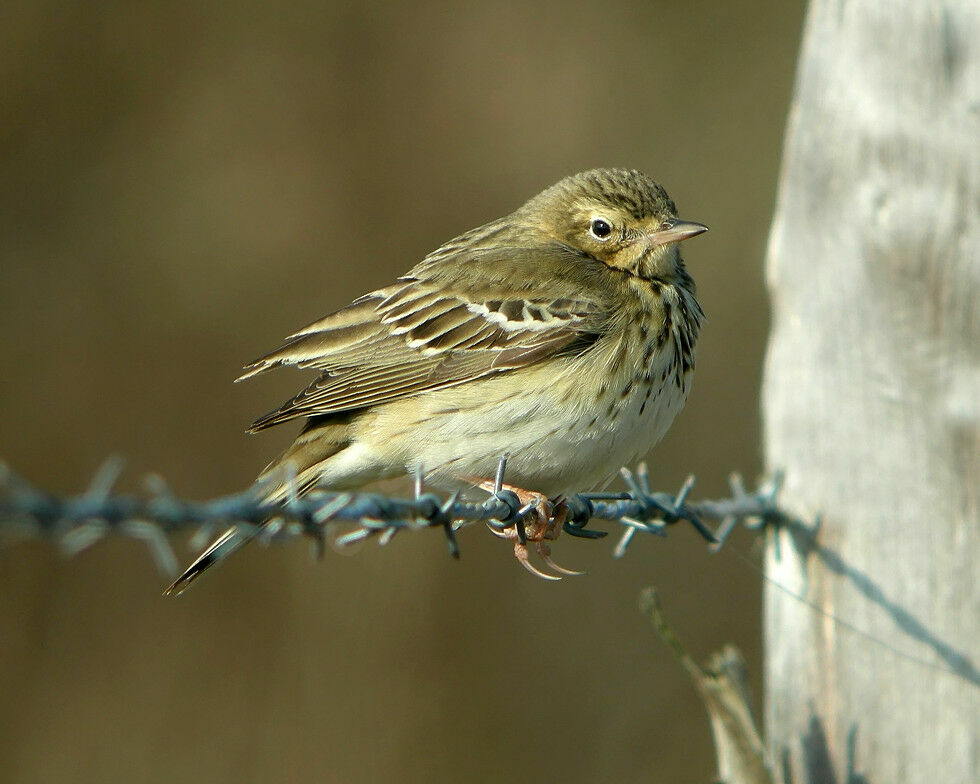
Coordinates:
<point>872,400</point>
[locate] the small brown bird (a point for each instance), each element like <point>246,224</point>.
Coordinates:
<point>562,334</point>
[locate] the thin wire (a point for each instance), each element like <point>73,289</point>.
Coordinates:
<point>837,620</point>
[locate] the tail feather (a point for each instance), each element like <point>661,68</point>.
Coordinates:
<point>230,541</point>
<point>297,470</point>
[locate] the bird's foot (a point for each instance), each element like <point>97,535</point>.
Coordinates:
<point>542,521</point>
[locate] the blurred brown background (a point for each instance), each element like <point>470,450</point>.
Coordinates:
<point>181,185</point>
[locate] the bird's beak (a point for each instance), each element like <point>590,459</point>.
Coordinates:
<point>676,231</point>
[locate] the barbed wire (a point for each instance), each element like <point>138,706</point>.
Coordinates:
<point>77,522</point>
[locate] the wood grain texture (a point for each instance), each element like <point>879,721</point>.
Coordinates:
<point>872,399</point>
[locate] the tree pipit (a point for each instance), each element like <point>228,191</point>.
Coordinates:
<point>562,334</point>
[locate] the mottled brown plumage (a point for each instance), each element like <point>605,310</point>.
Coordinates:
<point>563,334</point>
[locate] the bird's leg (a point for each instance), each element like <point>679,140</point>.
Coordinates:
<point>542,522</point>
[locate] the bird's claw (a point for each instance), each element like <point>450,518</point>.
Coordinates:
<point>545,552</point>
<point>542,520</point>
<point>520,551</point>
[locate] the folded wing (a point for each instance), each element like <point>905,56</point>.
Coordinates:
<point>421,335</point>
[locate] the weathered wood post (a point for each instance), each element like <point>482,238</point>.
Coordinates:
<point>872,399</point>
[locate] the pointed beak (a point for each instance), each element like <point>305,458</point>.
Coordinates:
<point>676,231</point>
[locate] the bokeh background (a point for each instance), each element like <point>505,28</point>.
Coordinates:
<point>181,185</point>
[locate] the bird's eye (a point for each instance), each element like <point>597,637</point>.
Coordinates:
<point>600,229</point>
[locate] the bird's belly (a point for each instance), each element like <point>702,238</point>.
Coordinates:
<point>563,432</point>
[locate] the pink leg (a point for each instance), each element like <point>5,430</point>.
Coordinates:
<point>544,521</point>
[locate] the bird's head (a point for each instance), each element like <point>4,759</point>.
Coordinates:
<point>619,217</point>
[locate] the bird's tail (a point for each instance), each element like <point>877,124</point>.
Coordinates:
<point>297,470</point>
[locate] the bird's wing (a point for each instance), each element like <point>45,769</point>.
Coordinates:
<point>426,333</point>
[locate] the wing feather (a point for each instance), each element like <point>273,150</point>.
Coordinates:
<point>424,334</point>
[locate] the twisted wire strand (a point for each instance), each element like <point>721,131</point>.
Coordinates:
<point>77,522</point>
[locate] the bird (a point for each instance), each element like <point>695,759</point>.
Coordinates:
<point>562,334</point>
